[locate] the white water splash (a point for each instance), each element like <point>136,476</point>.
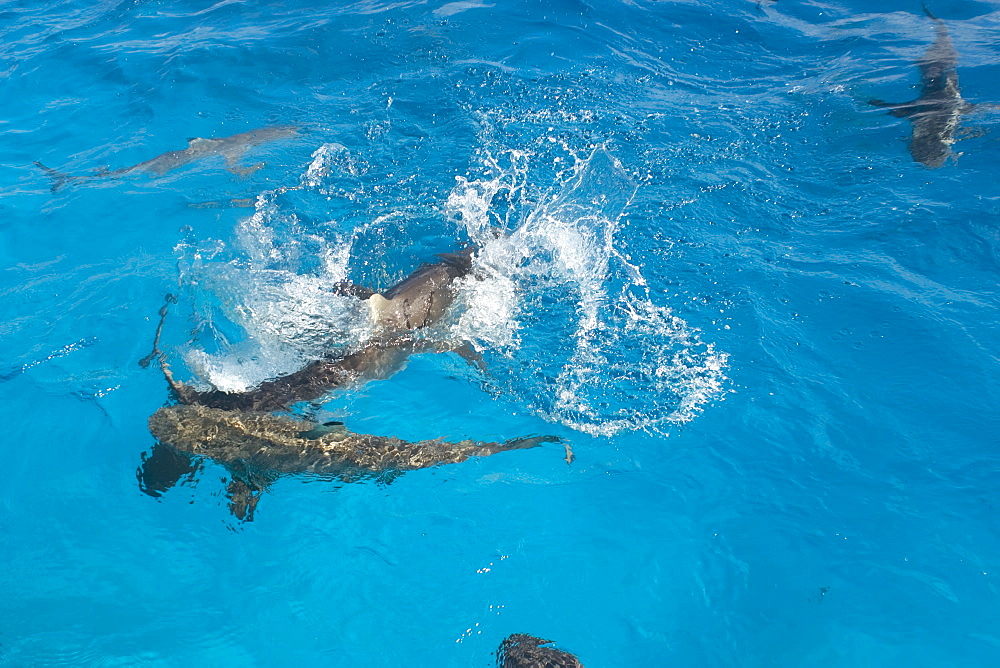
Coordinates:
<point>565,323</point>
<point>579,338</point>
<point>276,283</point>
<point>329,160</point>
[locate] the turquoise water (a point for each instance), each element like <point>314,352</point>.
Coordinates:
<point>767,333</point>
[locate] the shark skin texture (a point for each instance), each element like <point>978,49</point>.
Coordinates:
<point>520,650</point>
<point>244,432</point>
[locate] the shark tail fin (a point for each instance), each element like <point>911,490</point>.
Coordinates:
<point>184,393</point>
<point>59,179</point>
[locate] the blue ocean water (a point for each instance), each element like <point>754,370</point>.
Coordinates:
<point>768,335</point>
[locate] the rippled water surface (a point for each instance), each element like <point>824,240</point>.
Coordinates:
<point>705,263</point>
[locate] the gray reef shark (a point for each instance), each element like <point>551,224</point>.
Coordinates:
<point>256,448</point>
<point>936,114</point>
<point>238,430</point>
<point>231,148</point>
<point>520,650</point>
<point>417,302</point>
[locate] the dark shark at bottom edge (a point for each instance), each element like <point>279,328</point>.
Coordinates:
<point>520,650</point>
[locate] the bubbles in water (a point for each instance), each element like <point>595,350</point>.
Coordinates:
<point>565,322</point>
<point>268,299</point>
<point>330,164</point>
<point>641,368</point>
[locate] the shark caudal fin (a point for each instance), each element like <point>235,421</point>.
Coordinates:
<point>183,393</point>
<point>59,179</point>
<point>533,442</point>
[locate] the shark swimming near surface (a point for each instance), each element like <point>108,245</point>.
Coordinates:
<point>256,448</point>
<point>937,113</point>
<point>415,303</point>
<point>240,431</point>
<point>230,148</point>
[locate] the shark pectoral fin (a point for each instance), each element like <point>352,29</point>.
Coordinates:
<point>243,499</point>
<point>202,142</point>
<point>899,110</point>
<point>968,108</point>
<point>163,468</point>
<point>321,430</point>
<point>387,476</point>
<point>972,132</point>
<point>471,355</point>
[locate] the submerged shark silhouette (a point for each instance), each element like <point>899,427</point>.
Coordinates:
<point>520,650</point>
<point>257,448</point>
<point>231,148</point>
<point>936,114</point>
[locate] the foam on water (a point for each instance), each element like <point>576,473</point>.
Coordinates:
<point>550,301</point>
<point>553,301</point>
<point>275,282</point>
<point>765,230</point>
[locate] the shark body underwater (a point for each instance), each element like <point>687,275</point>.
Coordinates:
<point>230,148</point>
<point>240,431</point>
<point>520,650</point>
<point>937,113</point>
